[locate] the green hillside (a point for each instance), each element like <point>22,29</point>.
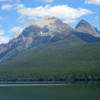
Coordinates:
<point>55,62</point>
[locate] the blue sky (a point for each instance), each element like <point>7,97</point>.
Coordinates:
<point>16,14</point>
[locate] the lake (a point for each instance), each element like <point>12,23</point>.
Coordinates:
<point>48,92</point>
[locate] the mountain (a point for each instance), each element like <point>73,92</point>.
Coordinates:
<point>87,32</point>
<point>84,26</point>
<point>47,31</point>
<point>50,50</point>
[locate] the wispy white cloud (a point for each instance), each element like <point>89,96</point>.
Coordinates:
<point>21,19</point>
<point>5,0</point>
<point>4,39</point>
<point>10,0</point>
<point>46,0</point>
<point>6,7</point>
<point>1,18</point>
<point>96,18</point>
<point>2,32</point>
<point>0,25</point>
<point>18,0</point>
<point>15,29</point>
<point>64,12</point>
<point>95,2</point>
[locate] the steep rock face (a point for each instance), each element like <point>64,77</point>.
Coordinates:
<point>47,30</point>
<point>85,27</point>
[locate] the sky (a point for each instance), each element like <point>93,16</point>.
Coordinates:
<point>16,14</point>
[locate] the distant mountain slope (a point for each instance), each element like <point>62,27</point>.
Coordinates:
<point>55,62</point>
<point>60,53</point>
<point>87,37</point>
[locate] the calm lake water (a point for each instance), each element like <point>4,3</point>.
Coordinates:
<point>49,92</point>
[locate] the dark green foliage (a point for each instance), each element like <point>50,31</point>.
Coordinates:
<point>55,62</point>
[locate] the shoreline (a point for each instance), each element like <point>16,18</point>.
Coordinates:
<point>47,83</point>
<point>29,85</point>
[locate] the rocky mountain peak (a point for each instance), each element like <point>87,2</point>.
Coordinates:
<point>50,22</point>
<point>51,18</point>
<point>48,26</point>
<point>47,21</point>
<point>83,23</point>
<point>84,26</point>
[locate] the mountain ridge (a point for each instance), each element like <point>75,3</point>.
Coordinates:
<point>84,26</point>
<point>45,31</point>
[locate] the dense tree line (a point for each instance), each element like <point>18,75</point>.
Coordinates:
<point>49,75</point>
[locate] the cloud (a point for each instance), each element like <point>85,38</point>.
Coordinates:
<point>10,0</point>
<point>4,39</point>
<point>95,2</point>
<point>15,29</point>
<point>46,0</point>
<point>1,18</point>
<point>6,7</point>
<point>5,0</point>
<point>64,12</point>
<point>18,1</point>
<point>2,32</point>
<point>0,25</point>
<point>96,18</point>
